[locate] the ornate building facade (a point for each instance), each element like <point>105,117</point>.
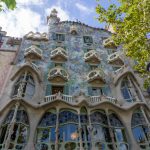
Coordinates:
<point>72,89</point>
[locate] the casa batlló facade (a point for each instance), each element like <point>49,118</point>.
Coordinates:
<point>70,89</point>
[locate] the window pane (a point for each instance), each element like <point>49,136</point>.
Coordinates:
<point>43,135</point>
<point>139,134</point>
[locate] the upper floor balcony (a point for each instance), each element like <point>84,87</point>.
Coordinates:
<point>96,76</point>
<point>59,54</point>
<point>33,52</point>
<point>109,43</point>
<point>92,57</point>
<point>115,58</point>
<point>58,74</point>
<point>37,36</point>
<point>73,29</point>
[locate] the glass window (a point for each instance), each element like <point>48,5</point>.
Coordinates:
<point>87,39</point>
<point>68,129</point>
<point>46,135</point>
<point>140,129</point>
<point>97,91</point>
<point>58,37</point>
<point>20,130</point>
<point>93,67</point>
<point>24,86</point>
<point>125,90</point>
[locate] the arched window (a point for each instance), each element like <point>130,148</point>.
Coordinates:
<point>100,132</point>
<point>125,90</point>
<point>140,129</point>
<point>20,130</point>
<point>118,131</point>
<point>68,130</point>
<point>25,86</point>
<point>85,132</point>
<point>46,136</point>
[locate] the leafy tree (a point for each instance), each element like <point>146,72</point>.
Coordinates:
<point>11,4</point>
<point>131,23</point>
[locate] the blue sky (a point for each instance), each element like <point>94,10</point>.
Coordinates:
<point>30,15</point>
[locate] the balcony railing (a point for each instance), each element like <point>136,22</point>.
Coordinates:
<point>96,74</point>
<point>59,54</point>
<point>92,100</point>
<point>58,72</point>
<point>97,99</point>
<point>115,56</point>
<point>34,51</point>
<point>92,56</point>
<point>109,43</point>
<point>60,96</point>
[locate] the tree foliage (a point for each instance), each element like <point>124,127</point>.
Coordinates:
<point>131,23</point>
<point>11,4</point>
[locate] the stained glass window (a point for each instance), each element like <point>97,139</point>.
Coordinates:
<point>125,90</point>
<point>24,86</point>
<point>68,129</point>
<point>140,129</point>
<point>20,130</point>
<point>46,135</point>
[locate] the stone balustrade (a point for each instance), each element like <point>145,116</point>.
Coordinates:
<point>59,96</point>
<point>92,100</point>
<point>97,99</point>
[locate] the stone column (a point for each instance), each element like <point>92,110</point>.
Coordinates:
<point>110,130</point>
<point>140,92</point>
<point>80,129</point>
<point>143,112</point>
<point>11,127</point>
<point>126,118</point>
<point>21,86</point>
<point>90,130</point>
<point>57,129</point>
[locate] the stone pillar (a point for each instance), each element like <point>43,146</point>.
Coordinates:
<point>21,86</point>
<point>140,92</point>
<point>80,129</point>
<point>90,130</point>
<point>143,112</point>
<point>126,118</point>
<point>11,127</point>
<point>57,129</point>
<point>110,130</point>
<point>33,128</point>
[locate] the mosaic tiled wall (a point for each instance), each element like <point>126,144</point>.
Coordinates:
<point>74,44</point>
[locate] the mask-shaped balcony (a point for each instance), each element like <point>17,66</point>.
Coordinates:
<point>92,57</point>
<point>58,74</point>
<point>37,36</point>
<point>33,52</point>
<point>59,54</point>
<point>115,58</point>
<point>96,76</point>
<point>109,43</point>
<point>73,30</point>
